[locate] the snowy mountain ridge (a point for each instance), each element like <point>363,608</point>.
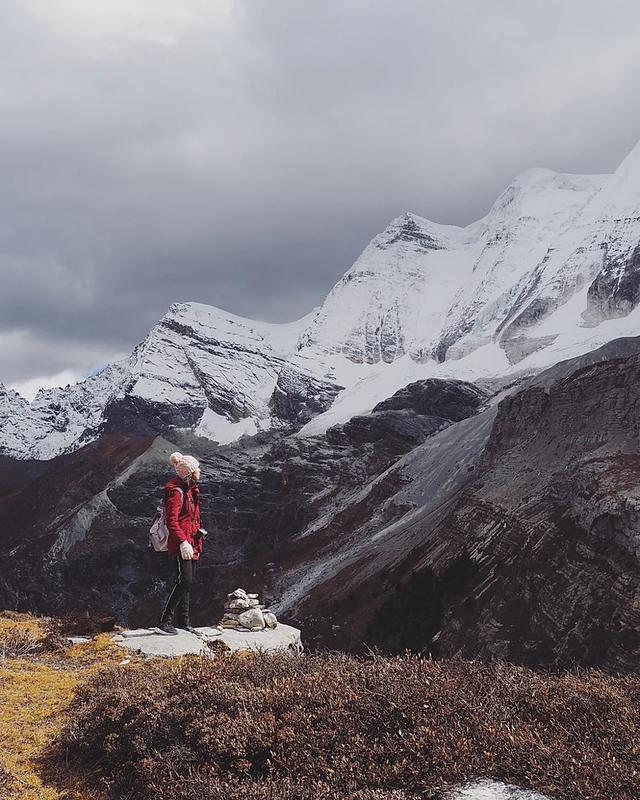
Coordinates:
<point>553,270</point>
<point>199,366</point>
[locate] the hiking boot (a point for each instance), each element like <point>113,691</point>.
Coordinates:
<point>190,629</point>
<point>166,629</point>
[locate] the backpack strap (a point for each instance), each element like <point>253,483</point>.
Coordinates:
<point>178,489</point>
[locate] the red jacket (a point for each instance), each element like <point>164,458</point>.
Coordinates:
<point>182,513</point>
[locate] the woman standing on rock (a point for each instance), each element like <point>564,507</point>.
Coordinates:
<point>182,515</point>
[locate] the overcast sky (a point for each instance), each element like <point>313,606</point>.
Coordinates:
<point>243,152</point>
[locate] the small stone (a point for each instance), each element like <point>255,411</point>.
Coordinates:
<point>253,596</point>
<point>252,619</point>
<point>270,620</point>
<point>230,621</point>
<point>135,632</point>
<point>208,632</point>
<point>237,594</point>
<point>238,604</point>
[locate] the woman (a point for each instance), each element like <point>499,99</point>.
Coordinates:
<point>182,514</point>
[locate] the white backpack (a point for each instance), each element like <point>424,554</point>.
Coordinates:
<point>158,532</point>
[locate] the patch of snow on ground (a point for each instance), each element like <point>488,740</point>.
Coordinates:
<point>222,430</point>
<point>493,790</point>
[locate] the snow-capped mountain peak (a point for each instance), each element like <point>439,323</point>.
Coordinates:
<point>551,271</point>
<point>416,231</point>
<point>200,357</point>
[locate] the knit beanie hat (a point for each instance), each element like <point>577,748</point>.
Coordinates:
<point>184,465</point>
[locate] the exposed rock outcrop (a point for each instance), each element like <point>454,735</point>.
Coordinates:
<point>299,395</point>
<point>615,291</point>
<point>411,415</point>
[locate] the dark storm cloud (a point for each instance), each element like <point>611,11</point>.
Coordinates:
<point>242,153</point>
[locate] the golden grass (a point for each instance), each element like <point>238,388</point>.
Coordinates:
<point>33,699</point>
<point>36,691</point>
<point>26,622</point>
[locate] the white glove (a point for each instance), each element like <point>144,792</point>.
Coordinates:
<point>186,551</point>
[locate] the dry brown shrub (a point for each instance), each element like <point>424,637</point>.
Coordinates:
<point>85,623</point>
<point>22,635</point>
<point>218,647</point>
<point>17,642</point>
<point>54,638</point>
<point>16,616</point>
<point>328,727</point>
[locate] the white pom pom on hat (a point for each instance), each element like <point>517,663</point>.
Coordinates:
<point>184,465</point>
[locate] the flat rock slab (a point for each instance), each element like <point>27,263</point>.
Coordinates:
<point>149,643</point>
<point>284,637</point>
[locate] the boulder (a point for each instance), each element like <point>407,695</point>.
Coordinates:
<point>238,604</point>
<point>253,618</point>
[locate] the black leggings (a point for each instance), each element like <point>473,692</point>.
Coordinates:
<point>179,597</point>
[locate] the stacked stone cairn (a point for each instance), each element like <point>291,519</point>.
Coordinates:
<point>243,611</point>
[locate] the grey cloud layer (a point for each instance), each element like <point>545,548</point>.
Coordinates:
<point>168,151</point>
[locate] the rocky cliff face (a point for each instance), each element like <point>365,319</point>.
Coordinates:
<point>553,526</point>
<point>523,545</point>
<point>615,291</point>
